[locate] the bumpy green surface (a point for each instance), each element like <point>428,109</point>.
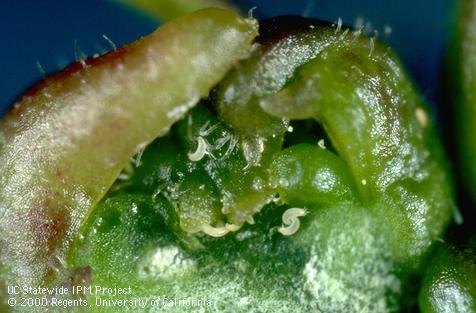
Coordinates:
<point>381,129</point>
<point>128,244</point>
<point>376,198</point>
<point>306,175</point>
<point>450,282</point>
<point>65,142</point>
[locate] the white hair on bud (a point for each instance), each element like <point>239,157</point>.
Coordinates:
<point>113,45</point>
<point>206,129</point>
<point>41,69</point>
<point>140,151</point>
<point>222,141</point>
<point>344,34</point>
<point>339,25</point>
<point>250,12</point>
<point>371,46</point>
<point>231,147</point>
<point>290,221</point>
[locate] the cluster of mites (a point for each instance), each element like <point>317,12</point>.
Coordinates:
<point>290,216</point>
<point>290,224</point>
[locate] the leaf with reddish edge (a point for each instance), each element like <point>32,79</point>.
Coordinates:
<point>67,139</point>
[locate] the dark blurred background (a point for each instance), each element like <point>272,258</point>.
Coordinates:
<point>44,36</point>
